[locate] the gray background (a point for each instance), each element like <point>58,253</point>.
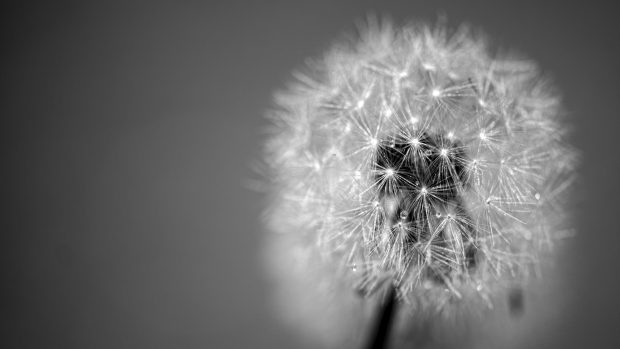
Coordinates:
<point>128,129</point>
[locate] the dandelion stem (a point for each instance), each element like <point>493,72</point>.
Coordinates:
<point>385,316</point>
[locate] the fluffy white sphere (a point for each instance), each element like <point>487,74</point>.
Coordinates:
<point>415,157</point>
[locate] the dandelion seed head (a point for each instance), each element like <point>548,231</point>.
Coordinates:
<point>452,166</point>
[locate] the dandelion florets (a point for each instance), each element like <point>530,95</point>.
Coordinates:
<point>418,157</point>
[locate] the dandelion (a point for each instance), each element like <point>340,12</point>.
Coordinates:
<point>412,157</point>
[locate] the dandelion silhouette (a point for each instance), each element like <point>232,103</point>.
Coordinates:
<point>415,158</point>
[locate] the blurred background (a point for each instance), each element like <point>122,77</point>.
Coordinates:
<point>128,130</point>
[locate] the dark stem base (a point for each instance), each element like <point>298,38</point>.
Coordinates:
<point>385,317</point>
